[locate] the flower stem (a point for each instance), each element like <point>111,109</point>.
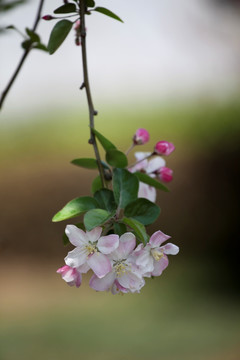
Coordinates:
<point>86,85</point>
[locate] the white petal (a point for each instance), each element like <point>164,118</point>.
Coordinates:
<point>155,164</point>
<point>131,281</point>
<point>159,266</point>
<point>76,236</point>
<point>100,264</point>
<point>94,234</point>
<point>147,192</point>
<point>139,155</point>
<point>83,268</point>
<point>127,243</point>
<point>158,238</point>
<point>170,249</point>
<point>102,284</point>
<point>76,257</point>
<point>107,244</point>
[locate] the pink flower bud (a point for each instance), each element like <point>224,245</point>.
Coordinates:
<point>165,174</point>
<point>48,17</point>
<point>164,148</point>
<point>141,137</point>
<point>77,25</point>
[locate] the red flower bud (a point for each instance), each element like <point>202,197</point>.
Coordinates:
<point>165,174</point>
<point>48,17</point>
<point>141,137</point>
<point>164,148</point>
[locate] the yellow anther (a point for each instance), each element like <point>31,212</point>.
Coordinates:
<point>157,254</point>
<point>91,249</point>
<point>120,269</point>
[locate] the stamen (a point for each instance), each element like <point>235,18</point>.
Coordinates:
<point>157,254</point>
<point>91,249</point>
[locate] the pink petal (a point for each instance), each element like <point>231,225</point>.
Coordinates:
<point>76,236</point>
<point>159,266</point>
<point>76,257</point>
<point>170,249</point>
<point>117,288</point>
<point>100,264</point>
<point>63,269</point>
<point>147,192</point>
<point>145,262</point>
<point>102,284</point>
<point>107,244</point>
<point>158,238</point>
<point>127,243</point>
<point>131,281</point>
<point>94,234</point>
<point>83,268</point>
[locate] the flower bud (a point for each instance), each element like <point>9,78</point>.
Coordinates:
<point>141,137</point>
<point>164,148</point>
<point>165,174</point>
<point>48,17</point>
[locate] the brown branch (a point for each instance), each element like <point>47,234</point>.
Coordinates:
<point>24,56</point>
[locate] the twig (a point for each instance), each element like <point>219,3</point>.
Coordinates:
<point>92,111</point>
<point>24,56</point>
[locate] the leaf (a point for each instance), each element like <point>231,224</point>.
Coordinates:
<point>40,46</point>
<point>143,211</point>
<point>90,3</point>
<point>33,36</point>
<point>107,12</point>
<point>59,33</point>
<point>26,44</point>
<point>105,199</point>
<point>88,163</point>
<point>106,144</point>
<point>96,184</point>
<point>150,181</point>
<point>138,228</point>
<point>116,158</point>
<point>96,217</point>
<point>119,229</point>
<point>125,187</point>
<point>75,207</point>
<point>66,8</point>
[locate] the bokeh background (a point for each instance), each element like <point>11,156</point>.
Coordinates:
<point>173,68</point>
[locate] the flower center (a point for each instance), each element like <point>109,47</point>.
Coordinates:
<point>157,254</point>
<point>91,249</point>
<point>120,268</point>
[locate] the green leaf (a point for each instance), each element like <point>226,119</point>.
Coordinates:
<point>143,211</point>
<point>125,187</point>
<point>150,181</point>
<point>116,158</point>
<point>96,217</point>
<point>40,46</point>
<point>59,33</point>
<point>106,144</point>
<point>75,207</point>
<point>119,229</point>
<point>138,228</point>
<point>33,36</point>
<point>105,199</point>
<point>26,44</point>
<point>107,12</point>
<point>65,9</point>
<point>88,163</point>
<point>96,184</point>
<point>90,3</point>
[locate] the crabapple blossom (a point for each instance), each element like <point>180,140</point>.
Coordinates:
<point>164,148</point>
<point>152,259</point>
<point>165,174</point>
<point>141,137</point>
<point>91,249</point>
<point>124,276</point>
<point>72,276</point>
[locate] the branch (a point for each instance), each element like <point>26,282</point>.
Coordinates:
<point>24,56</point>
<point>86,85</point>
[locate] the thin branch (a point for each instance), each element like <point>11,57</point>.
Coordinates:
<point>86,85</point>
<point>24,56</point>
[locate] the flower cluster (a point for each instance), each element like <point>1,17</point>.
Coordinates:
<point>117,264</point>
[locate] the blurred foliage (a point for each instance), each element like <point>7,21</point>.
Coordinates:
<point>6,5</point>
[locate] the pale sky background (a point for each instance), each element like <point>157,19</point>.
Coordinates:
<point>166,50</point>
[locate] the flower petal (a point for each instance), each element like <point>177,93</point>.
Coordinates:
<point>76,257</point>
<point>159,266</point>
<point>144,261</point>
<point>158,238</point>
<point>107,244</point>
<point>94,234</point>
<point>155,164</point>
<point>147,192</point>
<point>127,243</point>
<point>131,281</point>
<point>117,288</point>
<point>83,268</point>
<point>102,284</point>
<point>100,264</point>
<point>170,249</point>
<point>76,236</point>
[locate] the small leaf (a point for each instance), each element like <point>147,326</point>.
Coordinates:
<point>88,163</point>
<point>143,211</point>
<point>107,12</point>
<point>116,158</point>
<point>125,187</point>
<point>105,199</point>
<point>96,217</point>
<point>96,184</point>
<point>66,8</point>
<point>90,3</point>
<point>26,44</point>
<point>75,207</point>
<point>59,33</point>
<point>138,228</point>
<point>33,36</point>
<point>106,144</point>
<point>150,181</point>
<point>119,229</point>
<point>40,46</point>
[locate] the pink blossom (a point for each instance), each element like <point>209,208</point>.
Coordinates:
<point>124,276</point>
<point>91,249</point>
<point>165,174</point>
<point>141,137</point>
<point>70,275</point>
<point>152,259</point>
<point>164,148</point>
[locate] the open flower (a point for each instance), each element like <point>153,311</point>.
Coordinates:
<point>124,276</point>
<point>70,275</point>
<point>152,259</point>
<point>91,249</point>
